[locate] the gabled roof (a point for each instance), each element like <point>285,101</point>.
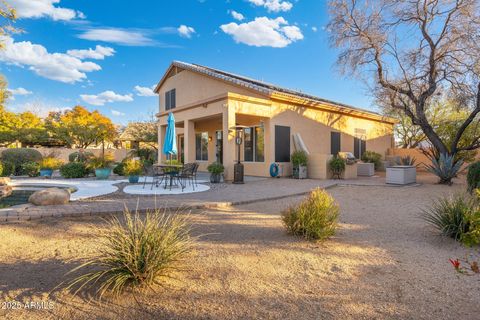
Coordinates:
<point>260,86</point>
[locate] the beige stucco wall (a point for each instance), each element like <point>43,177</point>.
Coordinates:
<point>314,125</point>
<point>206,104</point>
<point>192,87</point>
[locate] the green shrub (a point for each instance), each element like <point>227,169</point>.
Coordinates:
<point>80,156</point>
<point>337,166</point>
<point>19,156</point>
<point>147,155</point>
<point>8,169</point>
<point>457,217</point>
<point>31,169</point>
<point>473,176</point>
<point>372,157</point>
<point>50,163</point>
<point>299,158</point>
<point>133,167</point>
<point>118,169</point>
<point>136,253</point>
<point>73,170</point>
<point>315,218</point>
<point>216,168</point>
<point>101,162</point>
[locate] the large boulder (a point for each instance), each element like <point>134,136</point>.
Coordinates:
<point>5,188</point>
<point>48,197</point>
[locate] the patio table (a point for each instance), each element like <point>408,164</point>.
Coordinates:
<point>171,170</point>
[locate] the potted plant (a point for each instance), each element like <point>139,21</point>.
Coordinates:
<point>299,161</point>
<point>101,165</point>
<point>216,169</point>
<point>48,165</point>
<point>337,167</point>
<point>132,168</point>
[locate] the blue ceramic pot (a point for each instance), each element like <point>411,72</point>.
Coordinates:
<point>103,173</point>
<point>46,173</point>
<point>133,179</point>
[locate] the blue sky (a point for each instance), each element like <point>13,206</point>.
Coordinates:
<point>106,54</point>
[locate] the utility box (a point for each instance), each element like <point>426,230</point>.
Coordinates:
<point>365,169</point>
<point>401,175</point>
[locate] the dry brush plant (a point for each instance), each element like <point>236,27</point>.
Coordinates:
<point>315,218</point>
<point>137,253</point>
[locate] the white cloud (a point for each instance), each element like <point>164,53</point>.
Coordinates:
<point>236,15</point>
<point>117,113</point>
<point>145,91</point>
<point>264,32</point>
<point>125,37</point>
<point>20,92</point>
<point>105,97</point>
<point>55,66</point>
<point>44,8</point>
<point>185,31</point>
<point>98,53</point>
<point>314,29</point>
<point>273,5</point>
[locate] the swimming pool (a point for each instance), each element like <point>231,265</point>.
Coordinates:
<point>21,193</point>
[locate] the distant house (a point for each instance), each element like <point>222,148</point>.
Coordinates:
<point>207,103</point>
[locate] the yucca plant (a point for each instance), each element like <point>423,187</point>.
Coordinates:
<point>445,167</point>
<point>451,215</point>
<point>135,254</point>
<point>315,218</point>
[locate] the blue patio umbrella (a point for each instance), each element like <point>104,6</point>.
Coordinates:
<point>170,142</point>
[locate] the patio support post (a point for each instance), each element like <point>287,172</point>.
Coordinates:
<point>189,141</point>
<point>229,155</point>
<point>161,136</point>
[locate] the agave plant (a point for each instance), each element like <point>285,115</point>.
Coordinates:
<point>445,167</point>
<point>406,161</point>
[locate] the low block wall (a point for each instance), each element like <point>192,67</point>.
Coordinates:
<point>63,153</point>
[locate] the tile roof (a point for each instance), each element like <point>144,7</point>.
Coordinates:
<point>261,86</point>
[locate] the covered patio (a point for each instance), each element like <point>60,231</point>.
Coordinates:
<point>206,135</point>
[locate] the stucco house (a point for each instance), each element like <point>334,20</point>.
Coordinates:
<point>208,102</point>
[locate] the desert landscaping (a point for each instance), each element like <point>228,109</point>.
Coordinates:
<point>382,263</point>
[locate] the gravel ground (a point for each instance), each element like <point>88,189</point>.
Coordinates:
<point>384,263</point>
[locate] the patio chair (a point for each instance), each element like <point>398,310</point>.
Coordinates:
<point>159,174</point>
<point>187,174</point>
<point>156,173</point>
<point>195,173</point>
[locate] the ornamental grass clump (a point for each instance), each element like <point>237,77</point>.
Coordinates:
<point>315,218</point>
<point>457,217</point>
<point>136,253</point>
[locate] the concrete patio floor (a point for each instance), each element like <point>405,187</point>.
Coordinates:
<point>254,190</point>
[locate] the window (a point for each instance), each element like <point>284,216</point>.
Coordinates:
<point>254,144</point>
<point>359,147</point>
<point>170,99</point>
<point>359,143</point>
<point>259,144</point>
<point>282,144</point>
<point>335,143</point>
<point>201,146</point>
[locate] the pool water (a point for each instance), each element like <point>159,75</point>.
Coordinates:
<point>17,197</point>
<point>20,195</point>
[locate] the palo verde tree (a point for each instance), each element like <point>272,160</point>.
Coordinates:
<point>80,127</point>
<point>414,54</point>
